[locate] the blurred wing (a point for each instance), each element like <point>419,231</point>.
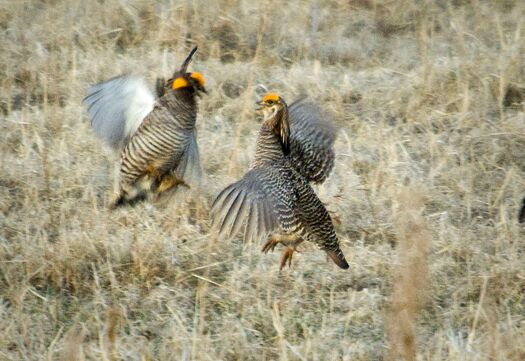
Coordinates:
<point>312,136</point>
<point>189,167</point>
<point>117,107</point>
<point>259,200</point>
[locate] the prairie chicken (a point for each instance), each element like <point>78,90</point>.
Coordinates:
<point>274,198</point>
<point>156,137</point>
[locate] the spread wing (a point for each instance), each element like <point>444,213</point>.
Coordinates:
<point>312,136</point>
<point>117,107</point>
<point>262,200</point>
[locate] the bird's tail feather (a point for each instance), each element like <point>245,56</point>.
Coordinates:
<point>338,258</point>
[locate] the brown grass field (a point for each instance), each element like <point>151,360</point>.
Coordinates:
<point>427,185</point>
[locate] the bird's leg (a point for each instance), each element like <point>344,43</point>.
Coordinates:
<point>123,198</point>
<point>153,171</point>
<point>275,239</point>
<point>118,201</point>
<point>163,182</point>
<point>270,244</point>
<point>179,181</point>
<point>287,256</point>
<point>169,181</point>
<point>289,240</point>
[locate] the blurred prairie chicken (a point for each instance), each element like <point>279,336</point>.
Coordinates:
<point>156,137</point>
<point>521,215</point>
<point>274,198</point>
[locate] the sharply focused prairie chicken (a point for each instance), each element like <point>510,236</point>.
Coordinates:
<point>156,137</point>
<point>274,198</point>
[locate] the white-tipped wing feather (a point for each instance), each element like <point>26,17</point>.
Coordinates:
<point>257,201</point>
<point>117,107</point>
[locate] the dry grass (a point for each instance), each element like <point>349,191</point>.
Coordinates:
<point>410,279</point>
<point>427,93</point>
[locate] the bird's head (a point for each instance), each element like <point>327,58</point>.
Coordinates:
<point>183,79</point>
<point>270,105</point>
<point>275,114</point>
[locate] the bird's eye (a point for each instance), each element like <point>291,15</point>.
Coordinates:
<point>270,101</point>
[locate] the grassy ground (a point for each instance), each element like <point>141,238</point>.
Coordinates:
<point>427,184</point>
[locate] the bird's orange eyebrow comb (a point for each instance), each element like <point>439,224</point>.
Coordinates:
<point>271,96</point>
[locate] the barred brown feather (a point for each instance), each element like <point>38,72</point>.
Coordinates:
<point>274,196</point>
<point>313,134</point>
<point>164,141</point>
<point>159,147</point>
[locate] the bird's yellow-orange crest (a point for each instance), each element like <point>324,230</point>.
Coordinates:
<point>271,96</point>
<point>179,83</point>
<point>199,77</point>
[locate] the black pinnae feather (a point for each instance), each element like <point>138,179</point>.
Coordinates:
<point>187,62</point>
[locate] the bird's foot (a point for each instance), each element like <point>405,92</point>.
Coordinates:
<point>169,182</point>
<point>153,172</point>
<point>123,198</point>
<point>270,244</point>
<point>180,182</point>
<point>290,242</point>
<point>118,201</point>
<point>287,257</point>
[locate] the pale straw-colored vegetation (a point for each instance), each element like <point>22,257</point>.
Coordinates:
<point>427,184</point>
